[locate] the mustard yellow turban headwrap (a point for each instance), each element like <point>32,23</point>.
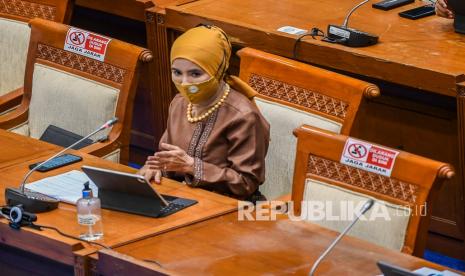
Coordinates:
<point>209,48</point>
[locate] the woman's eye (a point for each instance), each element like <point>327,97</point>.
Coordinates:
<point>196,74</point>
<point>176,73</point>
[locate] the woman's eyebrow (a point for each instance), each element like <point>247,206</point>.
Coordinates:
<point>196,70</point>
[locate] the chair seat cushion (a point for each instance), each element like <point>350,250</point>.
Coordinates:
<point>22,129</point>
<point>70,102</point>
<point>390,222</point>
<point>14,42</point>
<point>281,152</point>
<point>113,156</point>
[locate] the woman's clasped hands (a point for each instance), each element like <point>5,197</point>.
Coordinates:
<point>169,158</point>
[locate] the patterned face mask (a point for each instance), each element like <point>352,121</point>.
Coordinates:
<point>198,92</point>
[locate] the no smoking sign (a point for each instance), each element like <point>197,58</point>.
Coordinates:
<point>357,151</point>
<point>77,38</point>
<point>368,157</point>
<point>86,43</point>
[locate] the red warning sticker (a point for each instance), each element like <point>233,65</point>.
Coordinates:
<point>368,157</point>
<point>86,43</point>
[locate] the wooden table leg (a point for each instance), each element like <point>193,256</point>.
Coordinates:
<point>461,170</point>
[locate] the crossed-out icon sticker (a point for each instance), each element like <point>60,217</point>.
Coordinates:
<point>357,151</point>
<point>77,38</point>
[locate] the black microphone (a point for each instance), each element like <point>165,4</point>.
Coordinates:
<point>363,210</point>
<point>106,125</point>
<point>348,36</point>
<point>36,202</point>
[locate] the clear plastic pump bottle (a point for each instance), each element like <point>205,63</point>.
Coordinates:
<point>89,215</point>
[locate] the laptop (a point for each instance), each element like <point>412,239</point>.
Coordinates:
<point>131,193</point>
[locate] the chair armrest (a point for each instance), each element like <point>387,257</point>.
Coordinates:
<point>11,99</point>
<point>101,148</point>
<point>284,205</point>
<point>15,117</point>
<point>371,91</point>
<point>284,198</point>
<point>279,203</point>
<point>446,172</point>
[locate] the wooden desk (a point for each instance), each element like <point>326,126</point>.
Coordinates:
<point>417,64</point>
<point>225,246</point>
<point>119,228</point>
<point>16,148</point>
<point>424,54</point>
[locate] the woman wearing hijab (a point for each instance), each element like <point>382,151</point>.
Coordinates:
<point>216,138</point>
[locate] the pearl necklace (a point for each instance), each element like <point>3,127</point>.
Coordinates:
<point>209,111</point>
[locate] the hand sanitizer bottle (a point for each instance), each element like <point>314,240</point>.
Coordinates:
<point>89,215</point>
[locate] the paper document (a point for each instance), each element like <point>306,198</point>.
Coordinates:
<point>66,187</point>
<point>433,272</point>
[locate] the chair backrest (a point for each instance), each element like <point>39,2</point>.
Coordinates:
<point>76,92</point>
<point>15,33</point>
<point>292,93</point>
<point>403,186</point>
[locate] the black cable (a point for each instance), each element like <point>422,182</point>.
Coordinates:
<point>314,32</point>
<point>90,242</point>
<point>69,236</point>
<point>317,32</point>
<point>40,227</point>
<point>294,51</point>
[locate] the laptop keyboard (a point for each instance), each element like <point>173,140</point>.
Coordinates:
<point>170,209</point>
<point>175,205</point>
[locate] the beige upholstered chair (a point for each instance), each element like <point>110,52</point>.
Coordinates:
<point>292,93</point>
<point>405,197</point>
<point>77,93</point>
<point>14,41</point>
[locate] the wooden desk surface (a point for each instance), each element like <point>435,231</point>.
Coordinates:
<point>16,148</point>
<point>424,53</point>
<point>119,228</point>
<point>225,246</point>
